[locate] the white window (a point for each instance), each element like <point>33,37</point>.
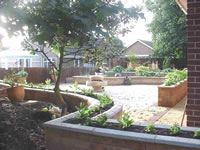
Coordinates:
<point>46,63</point>
<point>24,62</point>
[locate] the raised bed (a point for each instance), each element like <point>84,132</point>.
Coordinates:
<point>63,136</point>
<point>71,98</point>
<point>169,96</point>
<point>120,80</point>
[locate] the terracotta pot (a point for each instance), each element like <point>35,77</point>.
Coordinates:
<point>20,79</point>
<point>16,93</point>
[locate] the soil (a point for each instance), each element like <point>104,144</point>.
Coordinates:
<point>135,128</point>
<point>21,125</point>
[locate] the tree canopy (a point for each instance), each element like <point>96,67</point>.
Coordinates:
<point>169,30</point>
<point>60,24</point>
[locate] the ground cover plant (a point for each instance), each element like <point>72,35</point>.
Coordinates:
<point>176,77</point>
<point>148,72</point>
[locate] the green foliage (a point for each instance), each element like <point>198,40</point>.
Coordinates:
<point>166,63</point>
<point>84,112</point>
<point>175,77</point>
<point>104,100</point>
<point>22,73</point>
<point>48,82</point>
<point>9,80</point>
<point>129,70</point>
<point>89,92</point>
<point>45,109</point>
<point>168,29</point>
<point>88,121</point>
<point>143,71</point>
<point>101,120</point>
<point>132,58</point>
<point>126,121</point>
<point>146,63</point>
<point>109,74</point>
<point>197,134</point>
<point>41,85</point>
<point>53,117</point>
<point>175,129</point>
<point>96,108</point>
<point>31,85</point>
<point>118,69</point>
<point>150,128</point>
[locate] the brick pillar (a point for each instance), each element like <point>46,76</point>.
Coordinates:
<point>193,55</point>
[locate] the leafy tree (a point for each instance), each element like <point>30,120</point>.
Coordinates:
<point>62,24</point>
<point>169,30</point>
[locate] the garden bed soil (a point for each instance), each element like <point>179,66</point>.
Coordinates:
<point>135,128</point>
<point>21,125</point>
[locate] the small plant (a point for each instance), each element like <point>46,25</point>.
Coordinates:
<point>45,109</point>
<point>104,100</point>
<point>143,71</point>
<point>31,85</point>
<point>84,112</point>
<point>126,121</point>
<point>53,117</point>
<point>101,120</point>
<point>88,121</point>
<point>175,129</point>
<point>48,83</point>
<point>96,108</point>
<point>22,73</point>
<point>132,59</point>
<point>41,85</point>
<point>197,134</point>
<point>150,128</point>
<point>118,69</point>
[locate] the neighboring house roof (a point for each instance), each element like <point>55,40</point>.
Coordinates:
<point>146,43</point>
<point>16,53</point>
<point>140,48</point>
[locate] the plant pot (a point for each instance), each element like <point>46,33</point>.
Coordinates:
<point>16,93</point>
<point>20,79</point>
<point>54,78</point>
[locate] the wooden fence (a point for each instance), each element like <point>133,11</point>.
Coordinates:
<point>39,75</point>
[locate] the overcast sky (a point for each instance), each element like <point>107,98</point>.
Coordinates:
<point>138,32</point>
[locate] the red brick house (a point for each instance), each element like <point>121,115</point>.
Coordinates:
<point>192,9</point>
<point>140,48</point>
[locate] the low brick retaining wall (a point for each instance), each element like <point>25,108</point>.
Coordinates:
<point>64,136</point>
<point>120,80</point>
<point>169,96</point>
<point>71,98</point>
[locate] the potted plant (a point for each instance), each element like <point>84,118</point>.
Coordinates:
<point>21,76</point>
<point>54,73</point>
<point>15,92</point>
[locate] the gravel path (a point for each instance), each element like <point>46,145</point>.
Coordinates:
<point>140,101</point>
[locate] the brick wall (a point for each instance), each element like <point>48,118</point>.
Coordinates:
<point>193,45</point>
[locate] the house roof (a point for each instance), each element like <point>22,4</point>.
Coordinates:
<point>144,42</point>
<point>16,53</point>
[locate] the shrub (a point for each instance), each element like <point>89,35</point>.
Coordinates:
<point>132,58</point>
<point>197,134</point>
<point>150,128</point>
<point>118,69</point>
<point>175,77</point>
<point>175,129</point>
<point>143,71</point>
<point>126,121</point>
<point>22,73</point>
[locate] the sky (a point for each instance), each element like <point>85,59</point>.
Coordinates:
<point>138,32</point>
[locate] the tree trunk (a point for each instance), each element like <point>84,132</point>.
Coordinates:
<point>60,99</point>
